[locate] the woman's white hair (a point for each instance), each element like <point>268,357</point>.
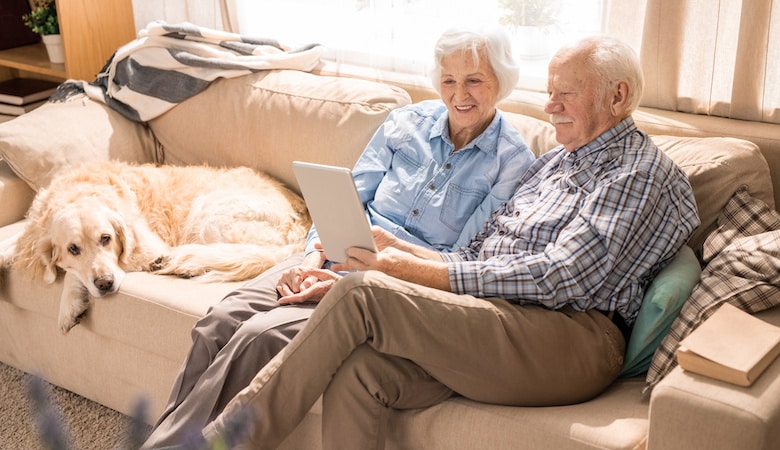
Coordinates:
<point>497,46</point>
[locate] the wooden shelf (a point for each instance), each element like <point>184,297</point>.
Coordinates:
<point>91,31</point>
<point>31,58</point>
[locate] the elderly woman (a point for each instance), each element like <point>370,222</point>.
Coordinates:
<point>431,175</point>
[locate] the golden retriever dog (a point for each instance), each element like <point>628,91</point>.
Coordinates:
<point>100,220</point>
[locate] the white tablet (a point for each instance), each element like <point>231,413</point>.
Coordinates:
<point>335,208</point>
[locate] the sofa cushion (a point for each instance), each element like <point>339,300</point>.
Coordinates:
<point>661,304</point>
<point>746,273</point>
<point>538,134</point>
<point>716,168</point>
<point>616,419</point>
<point>37,144</point>
<point>269,119</point>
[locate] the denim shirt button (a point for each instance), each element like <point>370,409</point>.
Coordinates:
<point>415,212</point>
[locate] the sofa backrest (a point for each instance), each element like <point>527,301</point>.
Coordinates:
<point>269,119</point>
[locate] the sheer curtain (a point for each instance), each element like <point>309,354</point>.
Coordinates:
<point>206,13</point>
<point>714,57</point>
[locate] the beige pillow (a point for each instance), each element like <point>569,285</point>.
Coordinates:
<point>269,119</point>
<point>538,134</point>
<point>39,143</point>
<point>717,168</point>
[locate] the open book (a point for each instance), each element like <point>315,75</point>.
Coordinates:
<point>731,345</point>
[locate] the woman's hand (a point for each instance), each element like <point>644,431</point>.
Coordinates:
<point>291,281</point>
<point>315,283</point>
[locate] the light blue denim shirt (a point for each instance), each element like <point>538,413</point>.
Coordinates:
<point>413,184</point>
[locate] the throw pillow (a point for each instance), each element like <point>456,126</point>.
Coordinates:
<point>745,273</point>
<point>661,305</point>
<point>37,144</point>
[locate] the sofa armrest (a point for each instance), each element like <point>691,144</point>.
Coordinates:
<point>15,196</point>
<point>690,411</point>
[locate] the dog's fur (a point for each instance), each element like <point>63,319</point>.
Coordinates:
<point>99,220</point>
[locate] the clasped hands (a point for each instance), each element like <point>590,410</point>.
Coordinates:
<point>309,283</point>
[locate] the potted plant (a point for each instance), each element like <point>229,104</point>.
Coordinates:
<point>530,20</point>
<point>42,19</point>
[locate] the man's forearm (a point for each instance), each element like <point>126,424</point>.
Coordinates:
<point>432,272</point>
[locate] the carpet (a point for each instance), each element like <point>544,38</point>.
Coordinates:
<point>73,422</point>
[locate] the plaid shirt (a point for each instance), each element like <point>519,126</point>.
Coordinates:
<point>588,228</point>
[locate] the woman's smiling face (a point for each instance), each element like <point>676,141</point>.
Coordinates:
<point>470,91</point>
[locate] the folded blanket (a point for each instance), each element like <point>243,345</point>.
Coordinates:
<point>169,63</point>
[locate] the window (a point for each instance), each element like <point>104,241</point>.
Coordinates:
<point>698,56</point>
<point>399,35</point>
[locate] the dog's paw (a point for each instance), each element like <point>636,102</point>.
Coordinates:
<point>159,263</point>
<point>175,265</point>
<point>66,325</point>
<point>72,317</point>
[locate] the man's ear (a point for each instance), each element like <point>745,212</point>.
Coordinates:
<point>619,99</point>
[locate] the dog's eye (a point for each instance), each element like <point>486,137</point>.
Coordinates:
<point>105,240</point>
<point>74,250</point>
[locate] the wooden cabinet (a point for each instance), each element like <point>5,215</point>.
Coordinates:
<point>91,31</point>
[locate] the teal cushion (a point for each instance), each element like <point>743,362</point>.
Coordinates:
<point>661,305</point>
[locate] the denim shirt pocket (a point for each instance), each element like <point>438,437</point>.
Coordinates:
<point>460,203</point>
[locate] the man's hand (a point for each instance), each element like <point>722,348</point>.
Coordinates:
<point>409,265</point>
<point>388,260</point>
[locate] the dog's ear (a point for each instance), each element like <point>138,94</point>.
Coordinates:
<point>35,252</point>
<point>124,236</point>
<point>47,256</point>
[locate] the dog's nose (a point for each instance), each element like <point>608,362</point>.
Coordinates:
<point>104,283</point>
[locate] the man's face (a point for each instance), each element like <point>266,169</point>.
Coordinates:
<point>576,110</point>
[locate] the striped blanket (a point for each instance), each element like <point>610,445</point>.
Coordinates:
<point>169,63</point>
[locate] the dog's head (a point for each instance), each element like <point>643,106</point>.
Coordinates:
<point>88,240</point>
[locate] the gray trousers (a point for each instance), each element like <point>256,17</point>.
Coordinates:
<point>376,343</point>
<point>230,344</point>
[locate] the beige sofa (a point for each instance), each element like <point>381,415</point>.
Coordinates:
<point>131,344</point>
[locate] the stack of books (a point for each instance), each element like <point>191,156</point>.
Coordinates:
<point>21,95</point>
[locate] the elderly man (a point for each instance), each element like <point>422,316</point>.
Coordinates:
<point>532,312</point>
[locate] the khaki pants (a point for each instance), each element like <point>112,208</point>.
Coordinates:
<point>376,343</point>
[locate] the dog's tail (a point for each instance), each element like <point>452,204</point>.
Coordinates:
<point>220,262</point>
